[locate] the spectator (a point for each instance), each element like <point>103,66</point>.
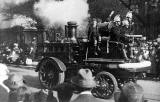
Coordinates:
<point>20,95</point>
<point>19,90</point>
<point>84,82</point>
<point>4,90</point>
<point>7,50</point>
<point>15,53</point>
<point>15,81</point>
<point>33,48</point>
<point>16,48</point>
<point>131,92</point>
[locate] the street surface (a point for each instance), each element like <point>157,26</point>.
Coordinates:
<point>151,88</point>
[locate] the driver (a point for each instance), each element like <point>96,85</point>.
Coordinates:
<point>115,28</point>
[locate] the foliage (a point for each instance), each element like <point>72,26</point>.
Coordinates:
<point>102,8</point>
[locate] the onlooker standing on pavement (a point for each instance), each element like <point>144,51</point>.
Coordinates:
<point>4,90</point>
<point>33,48</point>
<point>19,90</point>
<point>84,82</point>
<point>15,81</point>
<point>131,92</point>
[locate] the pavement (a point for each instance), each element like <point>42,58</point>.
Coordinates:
<point>30,66</point>
<point>151,90</point>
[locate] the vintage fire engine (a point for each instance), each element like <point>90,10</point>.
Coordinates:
<point>114,65</point>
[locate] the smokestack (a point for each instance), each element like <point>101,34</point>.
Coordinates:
<point>71,31</point>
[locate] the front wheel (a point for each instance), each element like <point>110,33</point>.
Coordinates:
<point>106,85</point>
<point>49,73</point>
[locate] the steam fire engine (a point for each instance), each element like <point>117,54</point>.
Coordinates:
<point>115,64</point>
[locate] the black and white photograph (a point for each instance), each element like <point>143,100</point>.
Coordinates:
<point>79,50</point>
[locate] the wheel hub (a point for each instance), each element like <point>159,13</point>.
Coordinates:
<point>106,84</point>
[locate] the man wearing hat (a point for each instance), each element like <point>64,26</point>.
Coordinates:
<point>17,86</point>
<point>15,81</point>
<point>84,82</point>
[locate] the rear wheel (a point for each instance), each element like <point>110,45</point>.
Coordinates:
<point>106,85</point>
<point>50,73</point>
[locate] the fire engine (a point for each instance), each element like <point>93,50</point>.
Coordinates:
<point>116,62</point>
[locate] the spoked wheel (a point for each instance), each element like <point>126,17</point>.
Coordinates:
<point>106,85</point>
<point>51,73</point>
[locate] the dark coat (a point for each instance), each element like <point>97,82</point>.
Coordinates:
<point>88,98</point>
<point>42,96</point>
<point>64,88</point>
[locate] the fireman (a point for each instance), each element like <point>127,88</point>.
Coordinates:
<point>115,28</point>
<point>129,18</point>
<point>93,35</point>
<point>116,35</point>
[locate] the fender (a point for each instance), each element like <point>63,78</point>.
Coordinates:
<point>54,60</point>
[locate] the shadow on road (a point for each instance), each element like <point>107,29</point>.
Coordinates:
<point>13,71</point>
<point>33,82</point>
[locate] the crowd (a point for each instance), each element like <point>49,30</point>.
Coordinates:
<point>13,88</point>
<point>18,53</point>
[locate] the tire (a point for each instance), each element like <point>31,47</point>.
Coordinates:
<point>106,85</point>
<point>50,74</point>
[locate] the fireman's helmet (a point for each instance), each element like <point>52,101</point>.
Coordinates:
<point>129,14</point>
<point>125,22</point>
<point>117,18</point>
<point>15,44</point>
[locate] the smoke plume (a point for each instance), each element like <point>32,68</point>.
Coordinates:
<point>4,22</point>
<point>4,4</point>
<point>53,12</point>
<point>5,18</point>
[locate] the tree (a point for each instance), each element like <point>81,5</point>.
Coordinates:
<point>102,8</point>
